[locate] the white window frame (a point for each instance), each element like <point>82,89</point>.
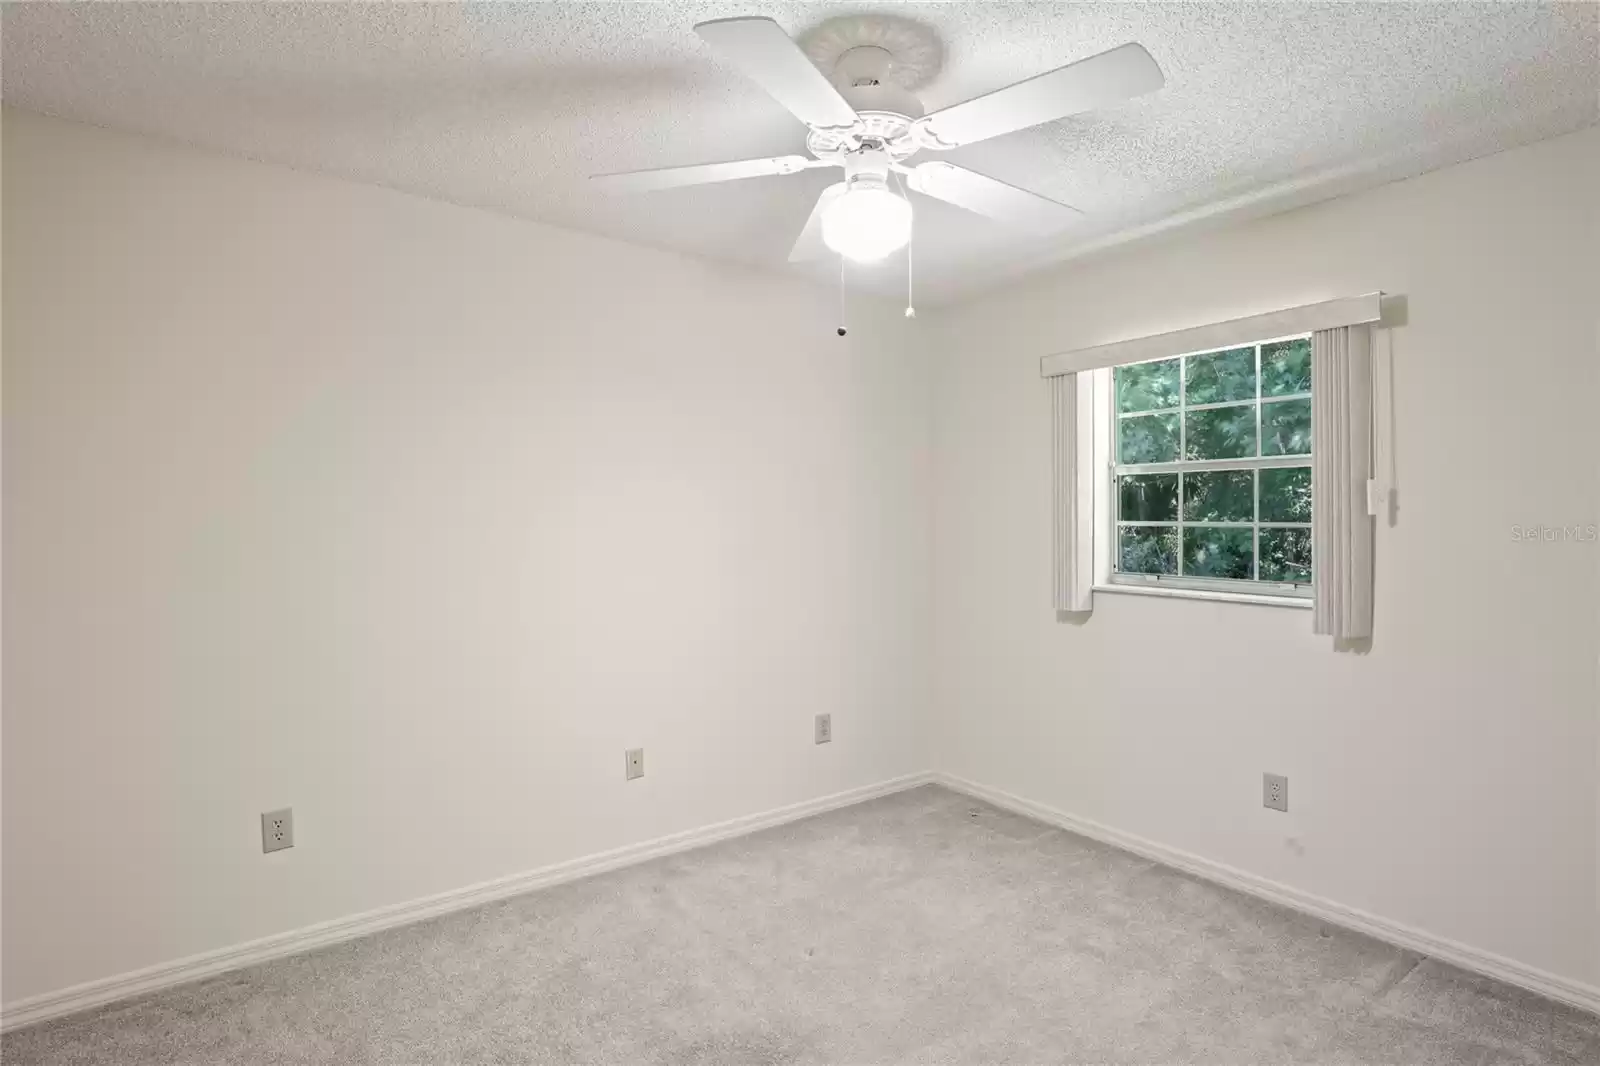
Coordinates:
<point>1108,503</point>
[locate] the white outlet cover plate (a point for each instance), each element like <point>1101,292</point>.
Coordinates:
<point>277,830</point>
<point>1275,792</point>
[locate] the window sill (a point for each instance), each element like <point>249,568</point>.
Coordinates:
<point>1300,602</point>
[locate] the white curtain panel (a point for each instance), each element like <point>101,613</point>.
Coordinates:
<point>1341,525</point>
<point>1072,492</point>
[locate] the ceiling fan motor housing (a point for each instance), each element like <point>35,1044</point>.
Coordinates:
<point>875,62</point>
<point>885,109</point>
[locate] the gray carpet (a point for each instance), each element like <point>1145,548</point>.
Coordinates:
<point>919,928</point>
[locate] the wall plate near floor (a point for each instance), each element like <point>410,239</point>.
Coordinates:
<point>1275,792</point>
<point>277,830</point>
<point>633,763</point>
<point>822,729</point>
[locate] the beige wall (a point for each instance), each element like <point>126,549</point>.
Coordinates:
<point>1447,780</point>
<point>413,517</point>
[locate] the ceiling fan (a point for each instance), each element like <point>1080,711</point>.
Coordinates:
<point>864,120</point>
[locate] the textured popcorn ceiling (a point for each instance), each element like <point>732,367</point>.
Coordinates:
<point>509,106</point>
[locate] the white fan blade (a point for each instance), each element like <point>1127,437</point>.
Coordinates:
<point>989,197</point>
<point>675,177</point>
<point>1099,81</point>
<point>770,58</point>
<point>809,244</point>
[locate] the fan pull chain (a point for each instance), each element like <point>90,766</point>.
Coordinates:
<point>911,240</point>
<point>842,330</point>
<point>911,307</point>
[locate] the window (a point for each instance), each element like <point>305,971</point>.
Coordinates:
<point>1212,470</point>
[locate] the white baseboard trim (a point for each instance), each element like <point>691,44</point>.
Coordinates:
<point>1576,993</point>
<point>208,964</point>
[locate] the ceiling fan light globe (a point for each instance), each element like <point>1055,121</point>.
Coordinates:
<point>866,224</point>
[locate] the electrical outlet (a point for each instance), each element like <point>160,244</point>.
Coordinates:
<point>1275,792</point>
<point>634,763</point>
<point>277,830</point>
<point>822,729</point>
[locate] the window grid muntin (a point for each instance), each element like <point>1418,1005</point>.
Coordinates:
<point>1183,466</point>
